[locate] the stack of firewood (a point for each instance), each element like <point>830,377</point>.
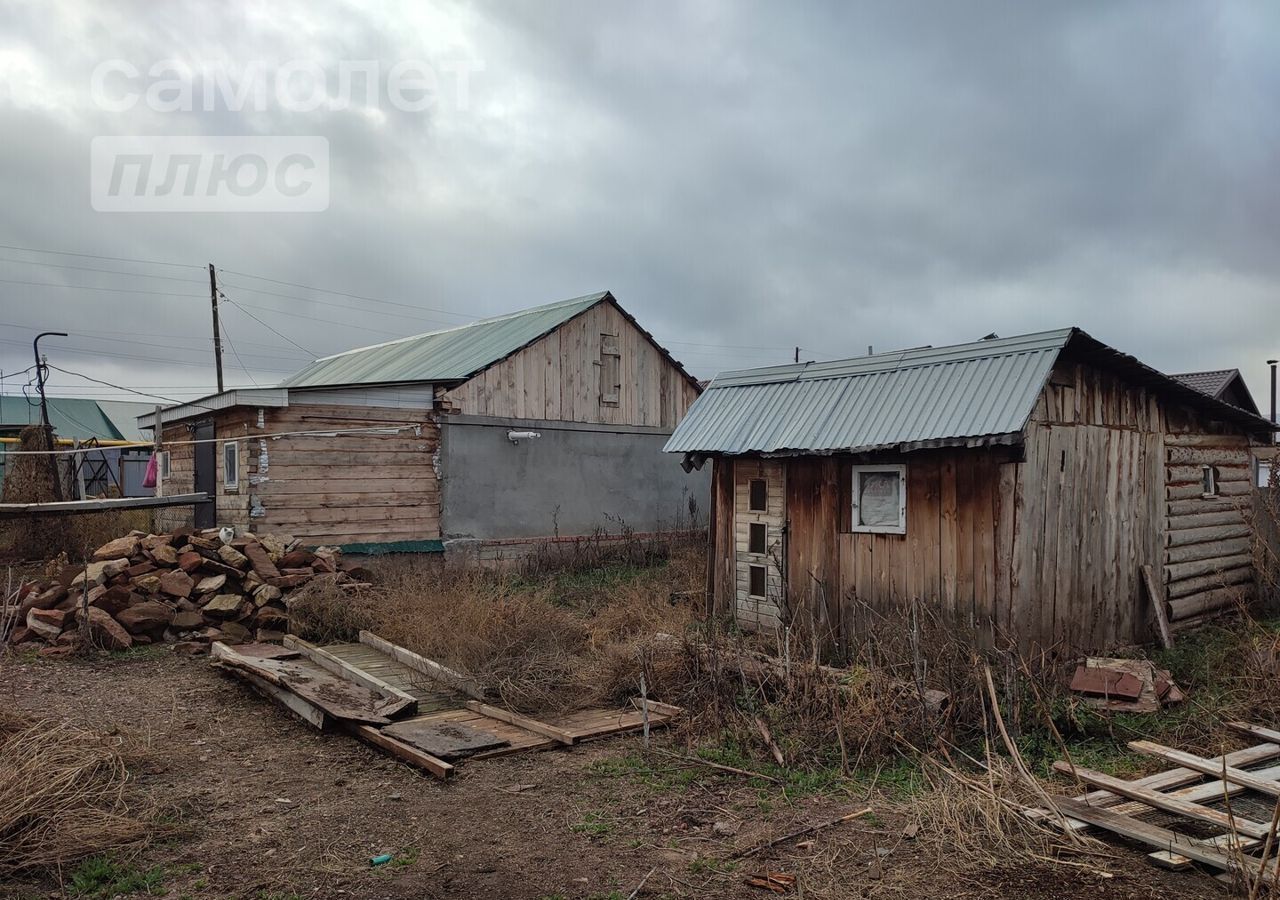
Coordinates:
<point>184,588</point>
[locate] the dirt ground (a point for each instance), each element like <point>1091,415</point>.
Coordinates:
<point>256,804</point>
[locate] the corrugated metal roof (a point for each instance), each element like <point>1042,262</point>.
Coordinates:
<point>74,418</point>
<point>453,354</point>
<point>980,392</point>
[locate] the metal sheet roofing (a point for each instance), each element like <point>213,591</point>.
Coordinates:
<point>74,418</point>
<point>967,394</point>
<point>909,398</point>
<point>453,354</point>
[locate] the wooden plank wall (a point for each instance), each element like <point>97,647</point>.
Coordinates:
<point>359,488</point>
<point>558,378</point>
<point>762,613</point>
<point>720,565</point>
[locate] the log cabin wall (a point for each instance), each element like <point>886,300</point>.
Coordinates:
<point>562,377</point>
<point>1043,544</point>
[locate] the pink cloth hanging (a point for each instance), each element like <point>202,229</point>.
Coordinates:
<point>149,479</point>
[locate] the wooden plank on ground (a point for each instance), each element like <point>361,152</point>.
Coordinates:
<point>511,718</point>
<point>1154,835</point>
<point>1222,772</point>
<point>402,751</point>
<point>1171,804</point>
<point>307,712</point>
<point>1174,778</point>
<point>339,698</point>
<point>1258,731</point>
<point>444,739</point>
<point>428,667</point>
<point>343,669</point>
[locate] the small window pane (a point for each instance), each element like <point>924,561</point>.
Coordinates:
<point>1209,480</point>
<point>759,500</point>
<point>879,500</point>
<point>757,581</point>
<point>231,464</point>
<point>1264,474</point>
<point>759,538</point>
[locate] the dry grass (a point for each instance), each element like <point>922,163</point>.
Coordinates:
<point>323,613</point>
<point>546,643</point>
<point>63,795</point>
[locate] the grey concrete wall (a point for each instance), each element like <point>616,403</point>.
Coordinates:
<point>568,481</point>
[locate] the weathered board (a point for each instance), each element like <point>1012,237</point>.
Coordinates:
<point>1041,544</point>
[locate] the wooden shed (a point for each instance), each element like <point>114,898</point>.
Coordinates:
<point>488,438</point>
<point>1016,485</point>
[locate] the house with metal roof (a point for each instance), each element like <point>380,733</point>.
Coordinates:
<point>110,468</point>
<point>485,439</point>
<point>1041,489</point>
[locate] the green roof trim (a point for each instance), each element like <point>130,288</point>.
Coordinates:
<point>381,549</point>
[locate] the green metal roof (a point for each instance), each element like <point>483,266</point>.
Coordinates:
<point>964,395</point>
<point>71,417</point>
<point>453,354</point>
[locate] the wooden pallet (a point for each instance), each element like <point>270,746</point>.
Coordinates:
<point>1215,812</point>
<point>411,707</point>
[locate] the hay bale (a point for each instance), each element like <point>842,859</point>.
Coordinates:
<point>29,479</point>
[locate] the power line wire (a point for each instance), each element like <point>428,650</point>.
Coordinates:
<point>121,387</point>
<point>226,335</point>
<point>266,326</point>
<point>343,306</point>
<point>149,262</point>
<point>89,287</point>
<point>39,262</point>
<point>307,287</point>
<point>150,359</point>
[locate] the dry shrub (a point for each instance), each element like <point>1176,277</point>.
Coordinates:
<point>975,822</point>
<point>63,795</point>
<point>543,644</point>
<point>322,612</point>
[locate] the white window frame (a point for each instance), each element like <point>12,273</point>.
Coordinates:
<point>1209,475</point>
<point>901,471</point>
<point>1262,475</point>
<point>163,464</point>
<point>231,480</point>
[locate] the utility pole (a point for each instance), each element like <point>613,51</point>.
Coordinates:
<point>217,336</point>
<point>1272,364</point>
<point>41,376</point>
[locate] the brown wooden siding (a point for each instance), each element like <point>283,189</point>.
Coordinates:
<point>346,489</point>
<point>558,378</point>
<point>339,489</point>
<point>1041,544</point>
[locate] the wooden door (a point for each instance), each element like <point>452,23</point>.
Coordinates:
<point>759,537</point>
<point>206,474</point>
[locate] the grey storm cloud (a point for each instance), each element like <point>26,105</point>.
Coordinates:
<point>745,177</point>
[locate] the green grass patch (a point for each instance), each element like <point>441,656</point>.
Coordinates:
<point>103,876</point>
<point>592,824</point>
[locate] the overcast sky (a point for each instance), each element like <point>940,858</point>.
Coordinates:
<point>745,178</point>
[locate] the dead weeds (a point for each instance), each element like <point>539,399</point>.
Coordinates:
<point>64,795</point>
